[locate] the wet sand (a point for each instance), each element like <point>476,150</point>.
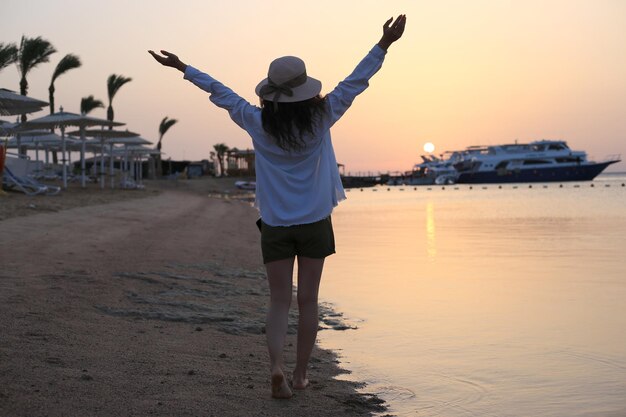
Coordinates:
<point>146,302</point>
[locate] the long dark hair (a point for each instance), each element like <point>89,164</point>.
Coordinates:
<point>288,123</point>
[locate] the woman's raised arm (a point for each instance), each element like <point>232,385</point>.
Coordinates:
<point>392,31</point>
<point>169,60</point>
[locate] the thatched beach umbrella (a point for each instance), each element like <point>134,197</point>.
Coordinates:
<point>33,139</point>
<point>12,103</point>
<point>6,128</point>
<point>128,141</point>
<point>62,120</point>
<point>101,135</point>
<point>136,153</point>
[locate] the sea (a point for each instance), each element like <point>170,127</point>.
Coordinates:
<point>484,300</point>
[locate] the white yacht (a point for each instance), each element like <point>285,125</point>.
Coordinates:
<point>540,161</point>
<point>433,170</point>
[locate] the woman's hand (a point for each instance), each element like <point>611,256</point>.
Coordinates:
<point>392,31</point>
<point>169,60</point>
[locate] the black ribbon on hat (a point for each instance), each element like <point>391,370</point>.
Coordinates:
<point>279,89</point>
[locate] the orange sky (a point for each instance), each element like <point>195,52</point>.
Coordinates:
<point>465,73</point>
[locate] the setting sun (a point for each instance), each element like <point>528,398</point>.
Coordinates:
<point>429,147</point>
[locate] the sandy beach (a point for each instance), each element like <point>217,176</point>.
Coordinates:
<point>146,302</point>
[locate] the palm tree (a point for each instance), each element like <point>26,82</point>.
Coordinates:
<point>66,63</point>
<point>8,54</point>
<point>212,156</point>
<point>114,83</point>
<point>164,127</point>
<point>220,150</point>
<point>87,104</point>
<point>32,52</point>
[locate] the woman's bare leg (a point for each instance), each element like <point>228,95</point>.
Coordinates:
<point>279,275</point>
<point>309,275</point>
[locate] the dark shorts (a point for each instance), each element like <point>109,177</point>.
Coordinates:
<point>312,240</point>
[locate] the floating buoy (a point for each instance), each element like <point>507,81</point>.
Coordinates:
<point>361,189</point>
<point>414,188</point>
<point>499,186</point>
<point>530,186</point>
<point>443,188</point>
<point>388,189</point>
<point>470,187</point>
<point>592,185</point>
<point>560,185</point>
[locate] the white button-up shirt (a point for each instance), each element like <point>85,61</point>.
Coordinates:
<point>294,187</point>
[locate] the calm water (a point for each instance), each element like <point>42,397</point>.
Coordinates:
<point>484,302</point>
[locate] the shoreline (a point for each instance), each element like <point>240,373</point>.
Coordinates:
<point>148,305</point>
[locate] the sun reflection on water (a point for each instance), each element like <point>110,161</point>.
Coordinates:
<point>431,244</point>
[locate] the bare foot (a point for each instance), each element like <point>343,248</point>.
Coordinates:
<point>300,380</point>
<point>280,388</point>
<point>300,383</point>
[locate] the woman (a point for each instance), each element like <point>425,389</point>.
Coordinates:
<point>298,183</point>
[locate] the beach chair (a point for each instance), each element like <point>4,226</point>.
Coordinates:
<point>26,185</point>
<point>128,184</point>
<point>52,172</point>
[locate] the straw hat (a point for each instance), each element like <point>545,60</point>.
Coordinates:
<point>288,82</point>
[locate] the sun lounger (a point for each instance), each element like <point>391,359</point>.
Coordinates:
<point>130,184</point>
<point>26,185</point>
